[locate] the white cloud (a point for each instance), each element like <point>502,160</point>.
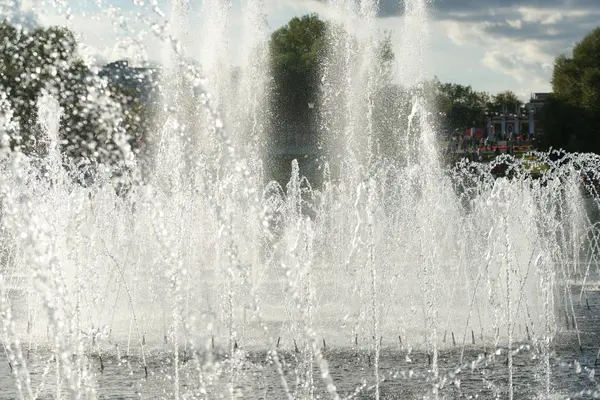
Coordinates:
<point>517,24</point>
<point>550,16</point>
<point>462,34</point>
<point>519,44</point>
<point>20,12</point>
<point>280,11</point>
<point>109,33</point>
<point>524,62</point>
<point>525,73</point>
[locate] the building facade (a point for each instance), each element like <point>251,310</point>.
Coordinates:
<point>521,121</point>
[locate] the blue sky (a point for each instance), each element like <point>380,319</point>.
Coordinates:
<point>492,45</point>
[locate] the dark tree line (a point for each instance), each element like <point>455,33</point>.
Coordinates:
<point>461,107</point>
<point>571,117</point>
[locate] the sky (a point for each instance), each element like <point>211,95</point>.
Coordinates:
<point>492,45</point>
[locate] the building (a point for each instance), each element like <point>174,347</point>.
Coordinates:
<point>521,121</point>
<point>536,103</point>
<point>140,82</point>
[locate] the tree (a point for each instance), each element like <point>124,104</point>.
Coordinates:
<point>296,50</point>
<point>386,60</point>
<point>45,59</point>
<point>32,61</point>
<point>571,117</point>
<point>92,119</point>
<point>459,107</point>
<point>561,122</point>
<point>506,101</point>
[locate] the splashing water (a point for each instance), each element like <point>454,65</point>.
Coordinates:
<point>396,276</point>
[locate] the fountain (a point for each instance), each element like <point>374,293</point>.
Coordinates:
<point>396,278</point>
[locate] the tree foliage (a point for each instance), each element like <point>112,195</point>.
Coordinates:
<point>302,56</point>
<point>571,117</point>
<point>309,57</point>
<point>506,101</point>
<point>32,61</point>
<point>45,60</point>
<point>296,51</point>
<point>459,106</point>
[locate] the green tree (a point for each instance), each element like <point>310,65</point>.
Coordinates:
<point>32,61</point>
<point>92,119</point>
<point>300,56</point>
<point>571,117</point>
<point>45,59</point>
<point>296,50</point>
<point>459,106</point>
<point>506,101</point>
